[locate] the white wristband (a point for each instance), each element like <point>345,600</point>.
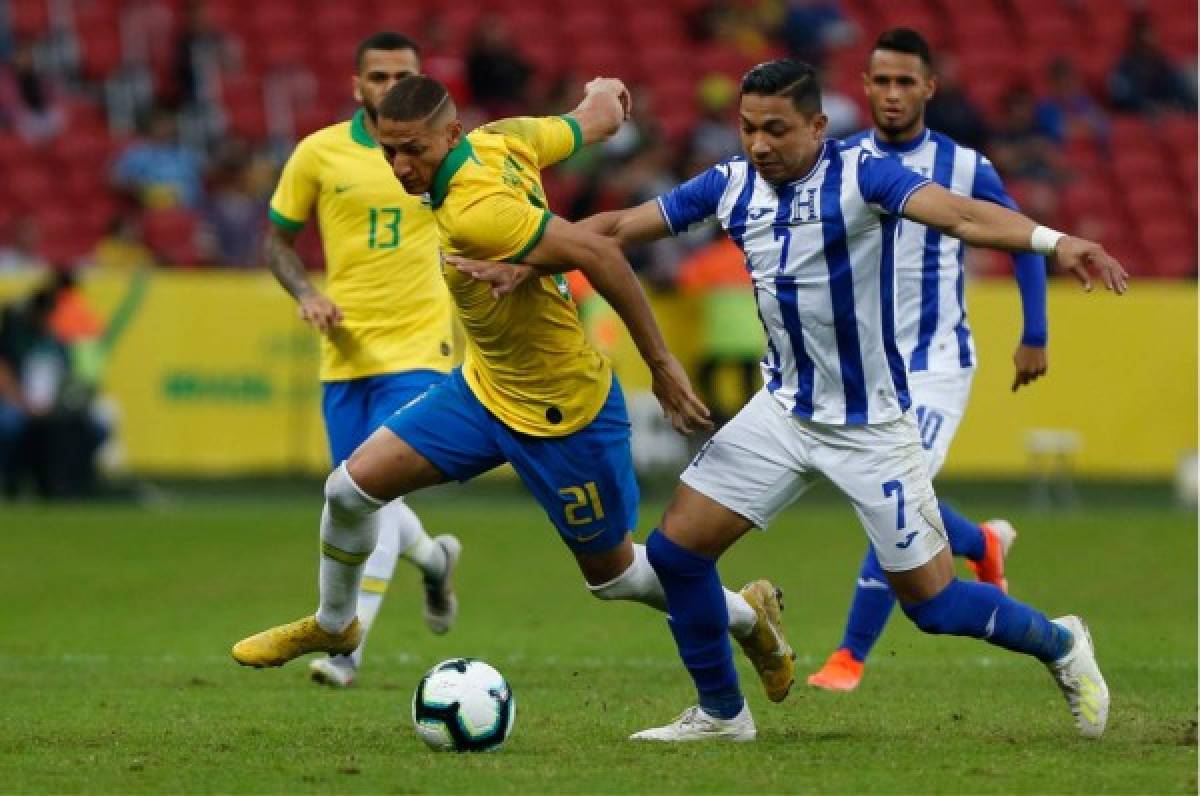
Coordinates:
<point>1044,240</point>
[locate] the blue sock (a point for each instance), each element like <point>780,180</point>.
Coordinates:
<point>980,610</point>
<point>966,538</point>
<point>699,621</point>
<point>870,608</point>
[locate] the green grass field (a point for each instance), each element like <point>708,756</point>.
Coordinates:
<point>115,673</point>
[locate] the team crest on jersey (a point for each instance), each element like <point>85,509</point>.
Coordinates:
<point>804,207</point>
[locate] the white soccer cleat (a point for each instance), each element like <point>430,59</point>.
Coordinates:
<point>1079,678</point>
<point>441,604</point>
<point>327,671</point>
<point>696,725</point>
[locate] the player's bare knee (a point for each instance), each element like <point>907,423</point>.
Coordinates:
<point>345,498</point>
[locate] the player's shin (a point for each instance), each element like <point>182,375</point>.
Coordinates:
<point>349,531</point>
<point>376,576</point>
<point>982,611</point>
<point>699,620</point>
<point>412,541</point>
<point>640,583</point>
<point>869,610</point>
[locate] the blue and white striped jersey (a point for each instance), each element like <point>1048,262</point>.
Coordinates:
<point>931,312</point>
<point>820,255</point>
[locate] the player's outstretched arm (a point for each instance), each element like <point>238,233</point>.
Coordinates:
<point>986,224</point>
<point>279,253</point>
<point>632,225</point>
<point>605,105</point>
<point>564,247</point>
<point>639,224</point>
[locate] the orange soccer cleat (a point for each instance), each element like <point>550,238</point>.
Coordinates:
<point>998,537</point>
<point>840,673</point>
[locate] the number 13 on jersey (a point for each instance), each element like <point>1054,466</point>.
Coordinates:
<point>384,230</point>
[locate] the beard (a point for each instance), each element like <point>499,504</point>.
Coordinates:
<point>897,128</point>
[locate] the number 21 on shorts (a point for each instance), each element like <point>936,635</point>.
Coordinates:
<point>585,505</point>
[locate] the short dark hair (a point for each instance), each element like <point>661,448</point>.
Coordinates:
<point>905,40</point>
<point>785,77</point>
<point>384,40</point>
<point>412,98</point>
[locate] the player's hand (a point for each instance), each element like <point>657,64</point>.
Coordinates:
<point>614,87</point>
<point>1082,257</point>
<point>1030,362</point>
<point>680,404</point>
<point>320,313</point>
<point>503,277</point>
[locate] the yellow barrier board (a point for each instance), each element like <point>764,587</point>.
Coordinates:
<point>216,376</point>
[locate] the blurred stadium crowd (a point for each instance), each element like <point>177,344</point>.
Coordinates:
<point>137,132</point>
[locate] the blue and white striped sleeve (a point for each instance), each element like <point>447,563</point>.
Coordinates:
<point>694,200</point>
<point>1029,269</point>
<point>886,183</point>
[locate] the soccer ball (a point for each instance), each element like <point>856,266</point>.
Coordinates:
<point>463,705</point>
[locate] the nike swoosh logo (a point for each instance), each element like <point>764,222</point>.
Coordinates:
<point>871,583</point>
<point>990,627</point>
<point>907,540</point>
<point>341,188</point>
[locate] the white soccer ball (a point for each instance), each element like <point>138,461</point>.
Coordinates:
<point>463,705</point>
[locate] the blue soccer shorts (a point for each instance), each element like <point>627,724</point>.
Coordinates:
<point>584,481</point>
<point>354,408</point>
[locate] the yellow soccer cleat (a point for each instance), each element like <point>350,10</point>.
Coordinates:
<point>277,646</point>
<point>766,646</point>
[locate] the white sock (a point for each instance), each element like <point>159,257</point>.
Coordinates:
<point>640,583</point>
<point>426,554</point>
<point>376,577</point>
<point>742,618</point>
<point>349,530</point>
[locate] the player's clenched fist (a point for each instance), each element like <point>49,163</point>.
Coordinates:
<point>611,86</point>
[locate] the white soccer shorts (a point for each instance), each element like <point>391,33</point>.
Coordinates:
<point>765,458</point>
<point>939,401</point>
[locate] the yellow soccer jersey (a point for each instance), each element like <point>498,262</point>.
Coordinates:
<point>527,358</point>
<point>381,254</point>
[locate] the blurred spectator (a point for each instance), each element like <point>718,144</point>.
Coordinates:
<point>496,75</point>
<point>843,113</point>
<point>1020,148</point>
<point>237,204</point>
<point>29,102</point>
<point>50,360</point>
<point>812,27</point>
<point>714,138</point>
<point>951,111</point>
<point>201,52</point>
<point>1145,80</point>
<point>124,246</point>
<point>157,169</point>
<point>731,334</point>
<point>20,251</point>
<point>1068,112</point>
<point>440,61</point>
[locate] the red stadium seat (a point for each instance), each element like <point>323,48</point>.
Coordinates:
<point>100,50</point>
<point>30,184</point>
<point>30,18</point>
<point>172,234</point>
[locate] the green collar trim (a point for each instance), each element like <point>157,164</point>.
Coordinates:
<point>358,131</point>
<point>453,161</point>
